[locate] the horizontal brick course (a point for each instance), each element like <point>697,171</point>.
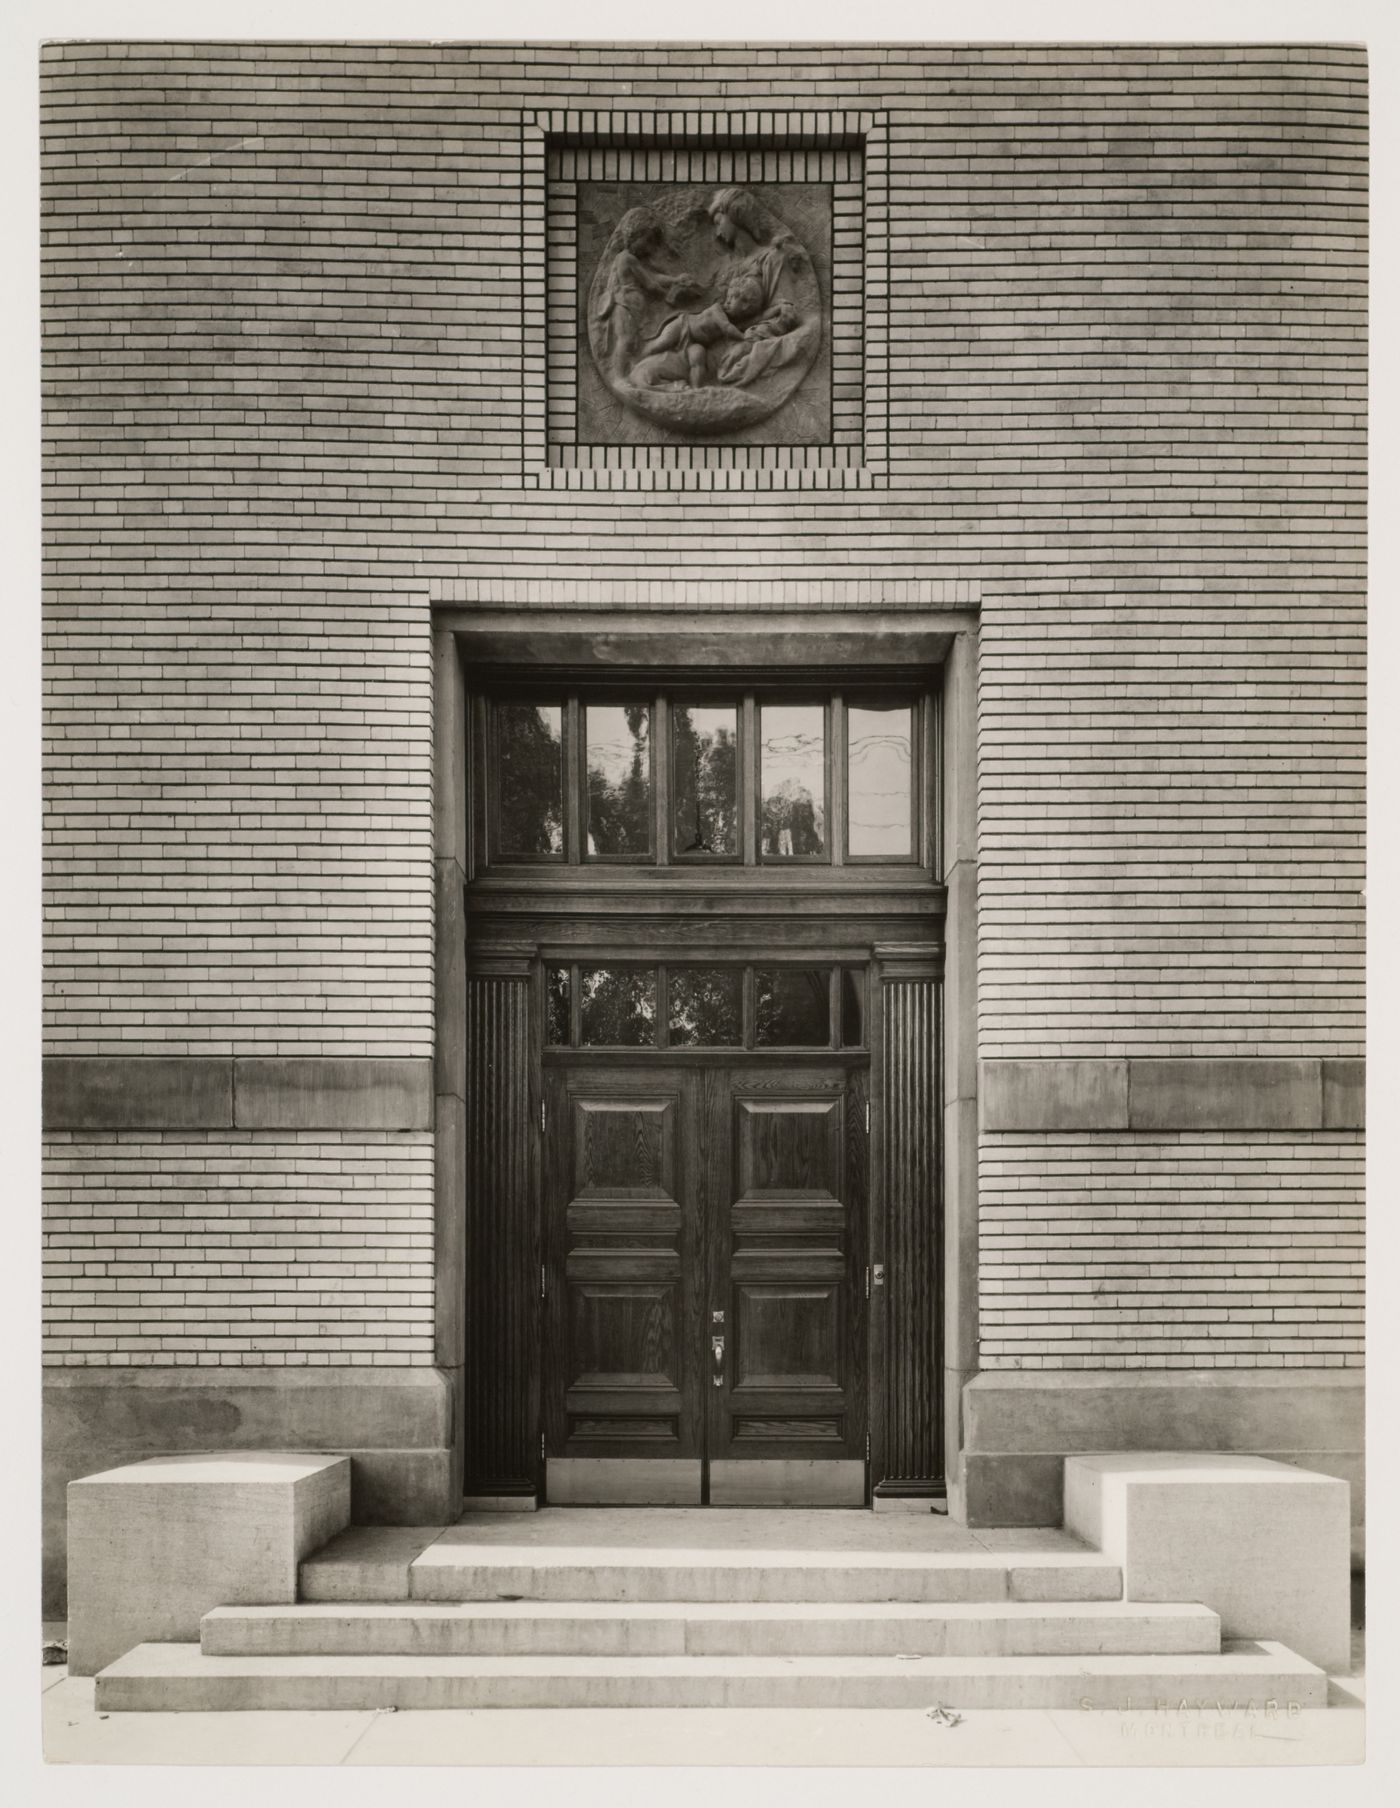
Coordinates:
<point>1124,293</point>
<point>238,807</point>
<point>288,359</point>
<point>229,1247</point>
<point>1186,1250</point>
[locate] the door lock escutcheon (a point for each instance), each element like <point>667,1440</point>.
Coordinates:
<point>717,1350</point>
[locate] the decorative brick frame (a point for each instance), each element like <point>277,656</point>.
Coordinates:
<point>851,150</point>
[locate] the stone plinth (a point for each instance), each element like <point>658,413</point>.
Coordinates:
<point>153,1546</point>
<point>1264,1544</point>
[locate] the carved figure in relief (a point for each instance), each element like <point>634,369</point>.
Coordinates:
<point>631,280</point>
<point>725,364</point>
<point>693,334</point>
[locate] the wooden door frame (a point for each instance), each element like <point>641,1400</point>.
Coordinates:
<point>944,642</point>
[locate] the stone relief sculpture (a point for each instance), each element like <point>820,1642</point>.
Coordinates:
<point>704,314</point>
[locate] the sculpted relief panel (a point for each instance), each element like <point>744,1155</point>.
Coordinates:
<point>704,314</point>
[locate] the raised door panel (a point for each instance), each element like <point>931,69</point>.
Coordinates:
<point>624,1233</point>
<point>788,1239</point>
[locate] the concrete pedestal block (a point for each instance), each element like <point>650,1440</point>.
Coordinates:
<point>155,1545</point>
<point>1264,1544</point>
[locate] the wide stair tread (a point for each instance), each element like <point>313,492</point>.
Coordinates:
<point>174,1677</point>
<point>463,1572</point>
<point>729,1628</point>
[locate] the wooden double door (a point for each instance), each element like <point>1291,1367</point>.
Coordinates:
<point>704,1280</point>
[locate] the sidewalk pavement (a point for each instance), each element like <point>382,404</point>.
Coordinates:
<point>74,1733</point>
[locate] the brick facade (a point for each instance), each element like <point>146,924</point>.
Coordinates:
<point>292,356</point>
<point>253,1250</point>
<point>1181,1251</point>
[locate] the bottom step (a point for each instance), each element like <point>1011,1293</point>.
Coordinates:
<point>174,1678</point>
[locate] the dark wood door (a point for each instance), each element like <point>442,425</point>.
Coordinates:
<point>785,1212</point>
<point>704,1320</point>
<point>624,1282</point>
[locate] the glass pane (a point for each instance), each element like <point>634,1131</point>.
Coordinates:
<point>556,1006</point>
<point>880,786</point>
<point>852,1008</point>
<point>619,1006</point>
<point>792,1007</point>
<point>792,777</point>
<point>618,739</point>
<point>704,779</point>
<point>529,778</point>
<point>707,1007</point>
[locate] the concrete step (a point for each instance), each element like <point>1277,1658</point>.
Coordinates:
<point>709,1629</point>
<point>174,1678</point>
<point>474,1572</point>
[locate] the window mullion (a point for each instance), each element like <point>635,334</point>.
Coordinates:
<point>748,784</point>
<point>837,792</point>
<point>575,815</point>
<point>661,771</point>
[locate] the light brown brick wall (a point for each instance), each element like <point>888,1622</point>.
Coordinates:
<point>1171,814</point>
<point>1177,1251</point>
<point>199,1249</point>
<point>239,811</point>
<point>285,366</point>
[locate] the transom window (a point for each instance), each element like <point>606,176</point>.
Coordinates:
<point>690,1004</point>
<point>753,777</point>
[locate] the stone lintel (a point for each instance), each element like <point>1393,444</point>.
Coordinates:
<point>198,1092</point>
<point>1249,1093</point>
<point>317,1092</point>
<point>1147,1094</point>
<point>1054,1095</point>
<point>1344,1095</point>
<point>138,1092</point>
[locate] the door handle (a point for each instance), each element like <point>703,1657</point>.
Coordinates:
<point>717,1350</point>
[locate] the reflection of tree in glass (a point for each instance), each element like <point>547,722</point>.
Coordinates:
<point>792,1007</point>
<point>706,1007</point>
<point>531,787</point>
<point>619,778</point>
<point>556,992</point>
<point>792,812</point>
<point>705,780</point>
<point>792,823</point>
<point>618,1006</point>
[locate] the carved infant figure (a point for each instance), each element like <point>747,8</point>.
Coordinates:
<point>693,334</point>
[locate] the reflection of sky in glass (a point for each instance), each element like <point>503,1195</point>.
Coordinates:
<point>881,780</point>
<point>792,763</point>
<point>708,725</point>
<point>612,746</point>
